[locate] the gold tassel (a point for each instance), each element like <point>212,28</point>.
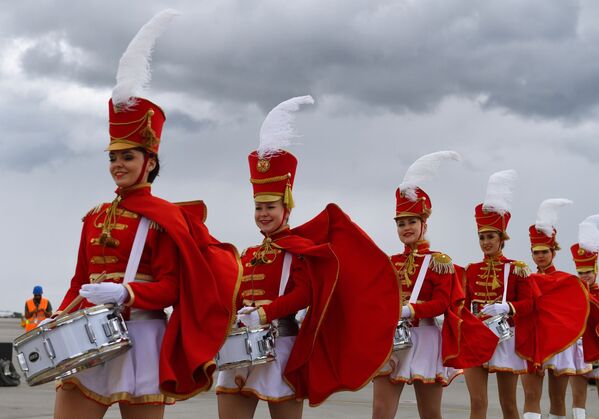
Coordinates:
<point>408,269</point>
<point>441,264</point>
<point>521,269</point>
<point>288,197</point>
<point>105,238</point>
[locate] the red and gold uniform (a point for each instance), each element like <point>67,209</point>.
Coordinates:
<point>180,261</point>
<point>262,275</point>
<point>586,262</point>
<point>423,362</point>
<point>327,273</point>
<point>158,265</point>
<point>484,284</point>
<point>563,305</point>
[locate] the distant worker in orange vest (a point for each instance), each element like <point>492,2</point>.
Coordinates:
<point>37,309</point>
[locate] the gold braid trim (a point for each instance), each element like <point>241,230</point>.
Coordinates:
<point>270,179</point>
<point>105,238</point>
<point>261,255</point>
<point>489,271</point>
<point>521,269</point>
<point>441,264</point>
<point>147,133</point>
<point>408,269</point>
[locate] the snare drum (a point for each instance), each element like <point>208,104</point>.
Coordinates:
<point>402,339</point>
<point>81,340</point>
<point>500,326</point>
<point>245,347</point>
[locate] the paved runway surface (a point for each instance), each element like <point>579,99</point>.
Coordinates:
<point>37,402</point>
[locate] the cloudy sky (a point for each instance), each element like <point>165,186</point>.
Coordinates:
<point>506,83</point>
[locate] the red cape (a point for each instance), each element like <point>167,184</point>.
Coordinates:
<point>560,314</point>
<point>590,338</point>
<point>467,342</point>
<point>347,334</point>
<point>210,275</point>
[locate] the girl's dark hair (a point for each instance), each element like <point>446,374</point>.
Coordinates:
<point>154,173</point>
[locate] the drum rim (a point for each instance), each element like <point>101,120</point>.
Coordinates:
<point>95,310</point>
<point>110,351</point>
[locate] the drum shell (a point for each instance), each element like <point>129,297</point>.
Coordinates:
<point>402,338</point>
<point>245,347</point>
<point>500,326</point>
<point>80,340</point>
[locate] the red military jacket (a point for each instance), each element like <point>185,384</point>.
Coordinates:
<point>181,265</point>
<point>158,262</point>
<point>590,338</point>
<point>262,270</point>
<point>484,285</point>
<point>435,294</point>
<point>441,293</point>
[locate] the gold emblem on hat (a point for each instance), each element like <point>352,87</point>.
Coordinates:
<point>263,165</point>
<point>581,251</point>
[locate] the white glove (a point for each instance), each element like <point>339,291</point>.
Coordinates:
<point>496,309</point>
<point>406,313</point>
<point>249,316</point>
<point>107,292</point>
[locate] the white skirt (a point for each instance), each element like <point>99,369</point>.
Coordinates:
<point>264,381</point>
<point>569,362</point>
<point>132,377</point>
<point>505,359</point>
<point>421,362</point>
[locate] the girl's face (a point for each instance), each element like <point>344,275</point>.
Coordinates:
<point>542,258</point>
<point>269,216</point>
<point>490,243</point>
<point>126,166</point>
<point>410,230</point>
<point>588,277</point>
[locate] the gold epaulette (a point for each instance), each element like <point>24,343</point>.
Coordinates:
<point>441,263</point>
<point>155,226</point>
<point>520,268</point>
<point>93,211</point>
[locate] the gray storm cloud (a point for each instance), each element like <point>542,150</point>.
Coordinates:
<point>508,84</point>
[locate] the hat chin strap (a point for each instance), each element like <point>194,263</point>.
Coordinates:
<point>283,222</point>
<point>143,169</point>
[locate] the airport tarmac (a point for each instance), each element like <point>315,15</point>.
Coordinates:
<point>24,402</point>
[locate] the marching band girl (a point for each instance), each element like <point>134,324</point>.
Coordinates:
<point>418,266</point>
<point>485,283</point>
<point>560,319</point>
<point>170,270</point>
<point>584,254</point>
<point>328,264</point>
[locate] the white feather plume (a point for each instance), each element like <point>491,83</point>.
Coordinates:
<point>277,130</point>
<point>133,74</point>
<point>422,170</point>
<point>500,191</point>
<point>547,214</point>
<point>588,234</point>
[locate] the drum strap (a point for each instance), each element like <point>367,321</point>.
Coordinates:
<point>285,273</point>
<point>420,279</point>
<point>137,249</point>
<point>506,275</point>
